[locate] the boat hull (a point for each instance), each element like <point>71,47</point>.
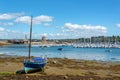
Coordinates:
<point>33,66</point>
<point>30,70</point>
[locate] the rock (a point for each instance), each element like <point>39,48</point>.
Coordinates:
<point>26,77</point>
<point>91,78</point>
<point>54,62</point>
<point>65,77</point>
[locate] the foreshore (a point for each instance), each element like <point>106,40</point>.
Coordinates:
<point>3,43</point>
<point>61,69</point>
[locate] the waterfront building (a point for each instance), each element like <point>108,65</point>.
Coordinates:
<point>25,40</point>
<point>44,40</point>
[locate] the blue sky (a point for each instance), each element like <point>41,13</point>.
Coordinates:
<point>59,19</point>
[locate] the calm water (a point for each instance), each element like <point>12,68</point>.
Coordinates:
<point>67,51</point>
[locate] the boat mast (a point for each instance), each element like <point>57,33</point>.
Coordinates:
<point>30,38</point>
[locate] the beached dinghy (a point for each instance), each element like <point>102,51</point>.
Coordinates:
<point>35,64</point>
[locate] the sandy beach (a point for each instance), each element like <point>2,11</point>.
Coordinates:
<point>61,69</point>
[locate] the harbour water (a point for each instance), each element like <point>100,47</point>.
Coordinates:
<point>103,54</point>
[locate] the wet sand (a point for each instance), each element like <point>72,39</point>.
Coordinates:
<point>61,69</point>
<point>3,43</point>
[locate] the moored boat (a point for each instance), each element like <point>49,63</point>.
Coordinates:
<point>34,64</point>
<point>60,49</point>
<point>108,50</point>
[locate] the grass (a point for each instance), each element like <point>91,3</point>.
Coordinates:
<point>6,73</point>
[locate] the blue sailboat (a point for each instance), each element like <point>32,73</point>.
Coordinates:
<point>34,64</point>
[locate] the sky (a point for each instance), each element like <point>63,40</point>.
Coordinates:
<point>59,19</point>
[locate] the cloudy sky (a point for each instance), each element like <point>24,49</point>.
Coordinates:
<point>59,19</point>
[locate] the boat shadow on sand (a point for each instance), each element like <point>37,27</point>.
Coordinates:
<point>23,71</point>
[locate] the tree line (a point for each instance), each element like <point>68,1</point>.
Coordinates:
<point>96,39</point>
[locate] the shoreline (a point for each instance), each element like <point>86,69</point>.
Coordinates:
<point>18,56</point>
<point>75,45</point>
<point>62,67</point>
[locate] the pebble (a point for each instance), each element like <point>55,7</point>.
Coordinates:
<point>65,77</point>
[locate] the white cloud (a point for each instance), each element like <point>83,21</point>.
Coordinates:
<point>11,34</point>
<point>46,24</point>
<point>77,31</point>
<point>12,31</point>
<point>69,30</point>
<point>118,25</point>
<point>45,34</point>
<point>2,29</point>
<point>23,19</point>
<point>8,24</point>
<point>56,35</point>
<point>36,20</point>
<point>49,35</point>
<point>85,27</point>
<point>7,16</point>
<point>42,18</point>
<point>0,23</point>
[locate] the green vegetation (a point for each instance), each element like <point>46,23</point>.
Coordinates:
<point>6,73</point>
<point>98,39</point>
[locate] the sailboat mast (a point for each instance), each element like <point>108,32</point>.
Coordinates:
<point>30,38</point>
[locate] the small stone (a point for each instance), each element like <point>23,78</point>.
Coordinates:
<point>54,62</point>
<point>26,77</point>
<point>91,78</point>
<point>65,77</point>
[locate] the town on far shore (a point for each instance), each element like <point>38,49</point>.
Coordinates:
<point>97,41</point>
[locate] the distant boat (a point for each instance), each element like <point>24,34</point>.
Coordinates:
<point>35,64</point>
<point>44,46</point>
<point>60,49</point>
<point>108,50</point>
<point>113,58</point>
